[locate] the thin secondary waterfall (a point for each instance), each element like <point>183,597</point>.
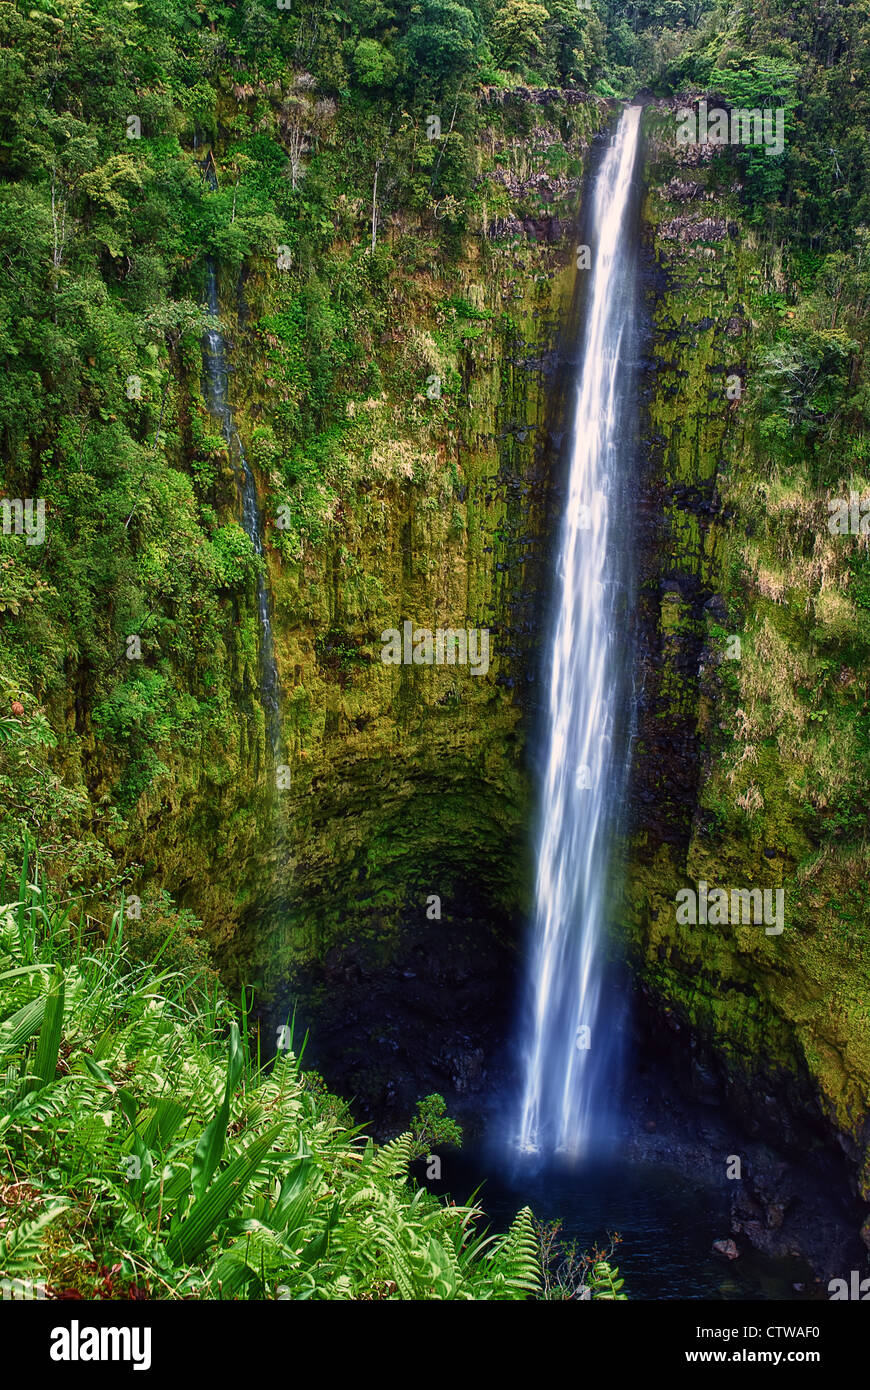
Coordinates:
<point>569,1044</point>
<point>216,378</point>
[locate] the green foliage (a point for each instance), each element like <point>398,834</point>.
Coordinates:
<point>604,1283</point>
<point>373,64</point>
<point>162,1146</point>
<point>20,1247</point>
<point>37,808</point>
<point>172,936</point>
<point>442,40</point>
<point>518,33</point>
<point>431,1126</point>
<point>237,561</point>
<point>802,381</point>
<point>756,82</point>
<point>814,64</point>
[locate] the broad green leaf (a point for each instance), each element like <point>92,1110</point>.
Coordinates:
<point>214,1137</point>
<point>22,1026</point>
<point>188,1238</point>
<point>48,1047</point>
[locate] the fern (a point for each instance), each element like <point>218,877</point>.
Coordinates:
<point>19,1248</point>
<point>393,1159</point>
<point>513,1264</point>
<point>199,1173</point>
<point>604,1283</point>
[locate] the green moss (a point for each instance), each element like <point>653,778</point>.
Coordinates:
<point>777,745</point>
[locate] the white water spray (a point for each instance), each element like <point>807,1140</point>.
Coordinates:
<point>568,1057</point>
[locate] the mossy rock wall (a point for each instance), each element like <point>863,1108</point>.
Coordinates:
<point>410,780</point>
<point>722,788</point>
<point>424,502</point>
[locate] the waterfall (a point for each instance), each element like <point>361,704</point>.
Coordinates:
<point>216,392</point>
<point>570,1054</point>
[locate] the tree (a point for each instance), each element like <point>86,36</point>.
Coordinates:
<point>518,34</point>
<point>432,1125</point>
<point>442,41</point>
<point>373,64</point>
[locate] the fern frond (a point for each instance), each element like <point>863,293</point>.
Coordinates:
<point>514,1262</point>
<point>393,1159</point>
<point>604,1282</point>
<point>19,1248</point>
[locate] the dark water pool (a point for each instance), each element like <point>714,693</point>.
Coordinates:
<point>667,1225</point>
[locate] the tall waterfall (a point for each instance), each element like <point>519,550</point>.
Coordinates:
<point>569,1044</point>
<point>216,378</point>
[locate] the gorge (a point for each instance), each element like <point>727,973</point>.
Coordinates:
<point>457,338</point>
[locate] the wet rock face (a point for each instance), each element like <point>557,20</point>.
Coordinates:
<point>539,96</point>
<point>744,1008</point>
<point>685,190</point>
<point>689,230</point>
<point>674,505</point>
<point>786,1194</point>
<point>417,783</point>
<point>780,1210</point>
<point>410,780</point>
<point>543,229</point>
<point>430,1017</point>
<point>759,1207</point>
<point>791,1189</point>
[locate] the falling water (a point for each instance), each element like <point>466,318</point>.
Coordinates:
<point>216,378</point>
<point>570,1056</point>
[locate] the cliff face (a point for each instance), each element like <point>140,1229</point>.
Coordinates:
<point>401,408</point>
<point>407,780</point>
<point>402,874</point>
<point>383,873</point>
<point>732,786</point>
